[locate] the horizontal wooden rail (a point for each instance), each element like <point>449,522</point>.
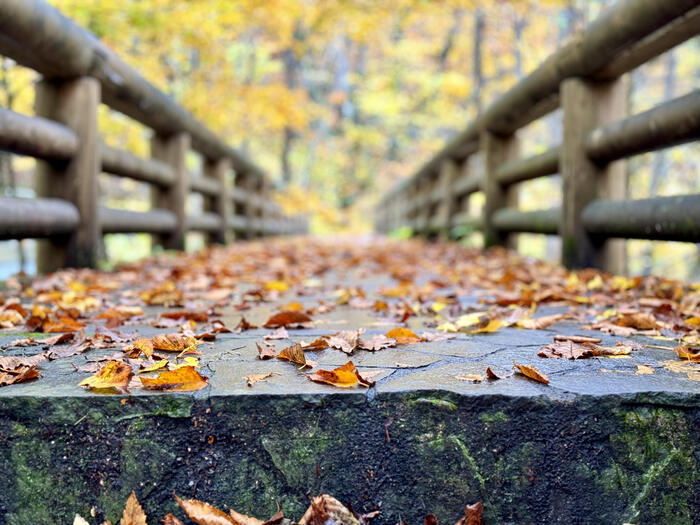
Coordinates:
<point>125,221</point>
<point>669,124</point>
<point>540,221</point>
<point>465,220</point>
<point>124,164</point>
<point>529,168</point>
<point>237,223</point>
<point>204,222</point>
<point>37,137</point>
<point>36,218</point>
<point>657,218</point>
<point>468,185</point>
<point>205,185</point>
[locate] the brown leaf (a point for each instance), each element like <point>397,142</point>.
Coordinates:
<point>541,322</point>
<point>18,375</point>
<point>473,515</point>
<point>403,336</point>
<point>684,352</point>
<point>493,375</point>
<point>133,512</point>
<point>10,363</point>
<point>113,375</point>
<point>183,379</point>
<point>62,324</point>
<point>175,343</point>
<point>169,519</point>
<point>203,513</point>
<point>637,320</point>
<point>265,353</point>
<point>242,519</point>
<point>294,354</point>
<point>318,344</point>
<point>289,319</point>
<point>326,510</point>
<point>532,373</point>
<point>243,325</point>
<point>254,378</point>
<point>187,315</point>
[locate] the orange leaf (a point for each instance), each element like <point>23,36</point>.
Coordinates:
<point>254,378</point>
<point>318,344</point>
<point>345,376</point>
<point>188,315</point>
<point>133,512</point>
<point>175,343</point>
<point>169,519</point>
<point>63,324</point>
<point>290,319</point>
<point>114,374</point>
<point>403,336</point>
<point>685,352</point>
<point>183,379</point>
<point>532,373</point>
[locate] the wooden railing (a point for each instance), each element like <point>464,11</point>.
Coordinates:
<point>588,79</point>
<point>78,73</point>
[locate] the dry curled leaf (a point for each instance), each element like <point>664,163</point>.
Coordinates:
<point>251,379</point>
<point>184,379</point>
<point>347,340</point>
<point>532,373</point>
<point>684,352</point>
<point>265,352</point>
<point>491,374</point>
<point>577,338</point>
<point>318,344</point>
<point>133,512</point>
<point>280,333</point>
<point>175,343</point>
<point>473,515</point>
<point>204,514</point>
<point>169,519</point>
<point>142,345</point>
<point>643,370</point>
<point>377,342</point>
<point>18,375</point>
<point>113,375</point>
<point>540,323</point>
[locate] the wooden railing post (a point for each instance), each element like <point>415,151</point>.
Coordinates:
<point>173,151</point>
<point>448,202</point>
<point>250,185</point>
<point>221,171</point>
<point>496,150</point>
<point>587,105</point>
<point>74,104</point>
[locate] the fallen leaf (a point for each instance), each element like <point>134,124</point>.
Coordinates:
<point>294,354</point>
<point>175,343</point>
<point>254,378</point>
<point>187,315</point>
<point>326,510</point>
<point>133,512</point>
<point>318,344</point>
<point>343,376</point>
<point>265,353</point>
<point>289,319</point>
<point>161,363</point>
<point>280,333</point>
<point>169,519</point>
<point>62,324</point>
<point>541,322</point>
<point>493,375</point>
<point>18,375</point>
<point>204,514</point>
<point>183,379</point>
<point>639,321</point>
<point>491,326</point>
<point>473,515</point>
<point>577,338</point>
<point>142,345</point>
<point>684,352</point>
<point>346,340</point>
<point>243,325</point>
<point>643,370</point>
<point>403,336</point>
<point>532,373</point>
<point>113,375</point>
<point>377,342</point>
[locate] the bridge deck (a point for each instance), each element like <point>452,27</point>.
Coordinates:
<point>432,434</point>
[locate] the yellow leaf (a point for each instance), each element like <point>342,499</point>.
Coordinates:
<point>491,326</point>
<point>163,363</point>
<point>470,319</point>
<point>643,370</point>
<point>278,286</point>
<point>532,373</point>
<point>114,374</point>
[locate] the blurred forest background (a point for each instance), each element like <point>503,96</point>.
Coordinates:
<point>339,100</point>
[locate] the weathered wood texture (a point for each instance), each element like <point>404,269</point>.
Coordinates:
<point>496,150</point>
<point>123,163</point>
<point>172,151</point>
<point>37,137</point>
<point>539,221</point>
<point>669,124</point>
<point>73,103</point>
<point>37,218</point>
<point>658,218</point>
<point>588,105</point>
<point>124,221</point>
<point>529,168</point>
